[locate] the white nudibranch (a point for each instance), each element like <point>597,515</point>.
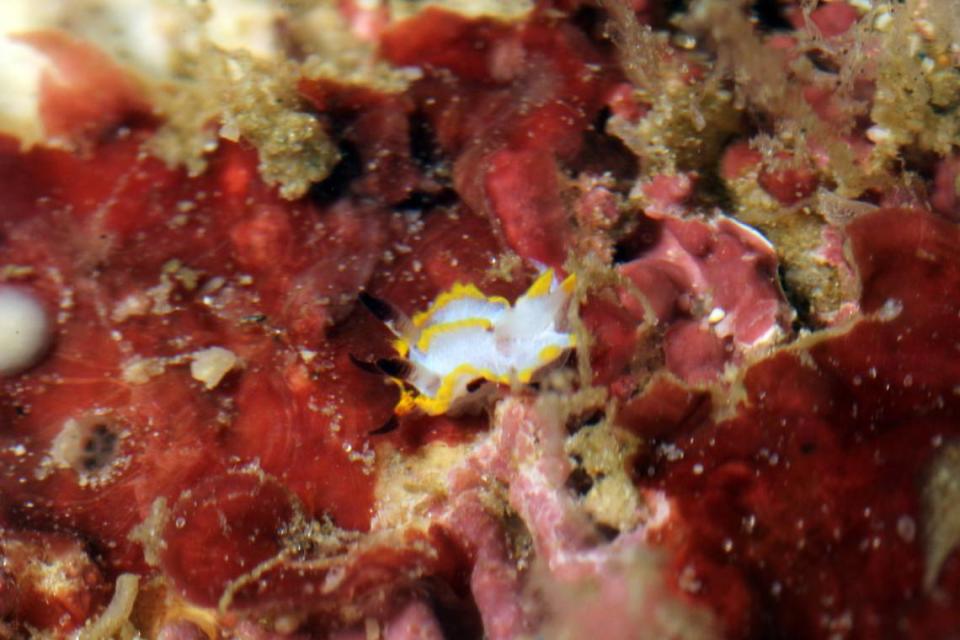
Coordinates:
<point>466,339</point>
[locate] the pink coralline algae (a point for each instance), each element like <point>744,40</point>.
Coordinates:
<point>713,284</point>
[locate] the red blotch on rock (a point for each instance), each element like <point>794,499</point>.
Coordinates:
<point>945,198</point>
<point>792,511</point>
<point>279,422</point>
<point>834,18</point>
<point>786,181</point>
<point>623,103</point>
<point>48,581</point>
<point>790,185</point>
<point>524,195</point>
<point>693,352</point>
<point>181,630</point>
<point>616,330</point>
<point>665,407</point>
<point>339,579</point>
<point>823,101</point>
<point>444,40</point>
<point>669,191</point>
<point>738,159</point>
<point>221,529</point>
<point>86,93</point>
<point>263,240</point>
<point>712,284</point>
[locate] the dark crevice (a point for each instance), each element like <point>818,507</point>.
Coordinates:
<point>337,184</point>
<point>766,623</point>
<point>607,532</point>
<point>592,22</point>
<point>674,7</point>
<point>99,448</point>
<point>642,237</point>
<point>455,612</point>
<point>424,148</point>
<point>604,154</point>
<point>798,301</point>
<point>589,418</point>
<point>130,122</point>
<point>822,61</point>
<point>424,201</point>
<point>601,119</point>
<point>579,481</point>
<point>474,385</point>
<point>771,16</point>
<point>768,15</point>
<point>587,18</point>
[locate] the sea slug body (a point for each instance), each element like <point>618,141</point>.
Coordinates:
<point>466,339</point>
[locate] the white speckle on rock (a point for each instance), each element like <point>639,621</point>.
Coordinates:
<point>24,330</point>
<point>210,365</point>
<point>139,370</point>
<point>883,22</point>
<point>906,528</point>
<point>890,310</point>
<point>879,135</point>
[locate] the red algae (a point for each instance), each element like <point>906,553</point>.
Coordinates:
<point>753,438</point>
<point>200,553</point>
<point>85,93</point>
<point>49,580</point>
<point>812,486</point>
<point>713,284</point>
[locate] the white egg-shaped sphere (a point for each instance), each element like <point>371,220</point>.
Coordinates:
<point>24,330</point>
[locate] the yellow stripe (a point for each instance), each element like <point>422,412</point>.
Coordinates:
<point>541,286</point>
<point>549,353</point>
<point>444,398</point>
<point>431,332</point>
<point>408,398</point>
<point>458,292</point>
<point>440,403</point>
<point>525,376</point>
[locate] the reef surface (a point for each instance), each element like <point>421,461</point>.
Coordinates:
<point>757,435</point>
